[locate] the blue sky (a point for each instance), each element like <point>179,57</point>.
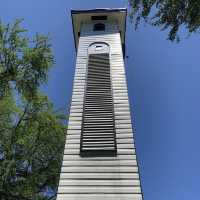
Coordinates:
<point>164,91</point>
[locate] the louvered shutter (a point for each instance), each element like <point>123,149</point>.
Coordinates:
<point>98,128</point>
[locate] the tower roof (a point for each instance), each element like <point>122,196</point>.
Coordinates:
<point>81,16</point>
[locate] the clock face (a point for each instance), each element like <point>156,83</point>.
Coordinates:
<point>98,47</point>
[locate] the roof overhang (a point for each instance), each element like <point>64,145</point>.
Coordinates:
<point>81,16</point>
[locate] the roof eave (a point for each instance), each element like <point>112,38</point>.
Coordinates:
<point>98,10</point>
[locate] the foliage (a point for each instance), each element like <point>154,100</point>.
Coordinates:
<point>31,132</point>
<point>168,14</point>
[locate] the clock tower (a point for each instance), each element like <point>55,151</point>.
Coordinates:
<point>99,161</point>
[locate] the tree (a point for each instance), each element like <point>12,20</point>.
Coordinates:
<point>31,131</point>
<point>168,14</point>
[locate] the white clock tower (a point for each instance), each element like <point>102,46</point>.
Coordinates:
<point>99,161</point>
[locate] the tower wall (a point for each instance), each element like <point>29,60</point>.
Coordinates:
<point>100,178</point>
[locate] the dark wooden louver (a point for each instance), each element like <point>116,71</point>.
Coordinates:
<point>98,136</point>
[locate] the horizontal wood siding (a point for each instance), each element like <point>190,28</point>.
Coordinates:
<point>100,178</point>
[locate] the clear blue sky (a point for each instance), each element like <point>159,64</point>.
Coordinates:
<point>164,91</point>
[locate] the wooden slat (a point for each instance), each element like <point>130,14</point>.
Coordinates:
<point>99,196</point>
<point>118,157</point>
<point>97,190</point>
<point>64,182</point>
<point>99,176</point>
<point>92,169</point>
<point>119,151</point>
<point>100,163</point>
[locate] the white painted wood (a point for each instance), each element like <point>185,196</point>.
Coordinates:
<point>100,189</point>
<point>123,126</point>
<point>119,146</point>
<point>74,127</point>
<point>96,169</point>
<point>124,131</point>
<point>118,157</point>
<point>123,121</point>
<point>119,151</point>
<point>100,163</point>
<point>120,113</point>
<point>99,197</point>
<point>100,178</point>
<point>119,141</point>
<point>99,182</point>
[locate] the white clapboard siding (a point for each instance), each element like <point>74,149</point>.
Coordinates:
<point>100,163</point>
<point>118,157</point>
<point>97,169</point>
<point>118,135</point>
<point>119,146</point>
<point>100,178</point>
<point>119,151</point>
<point>99,196</point>
<point>119,141</point>
<point>99,189</point>
<point>67,182</point>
